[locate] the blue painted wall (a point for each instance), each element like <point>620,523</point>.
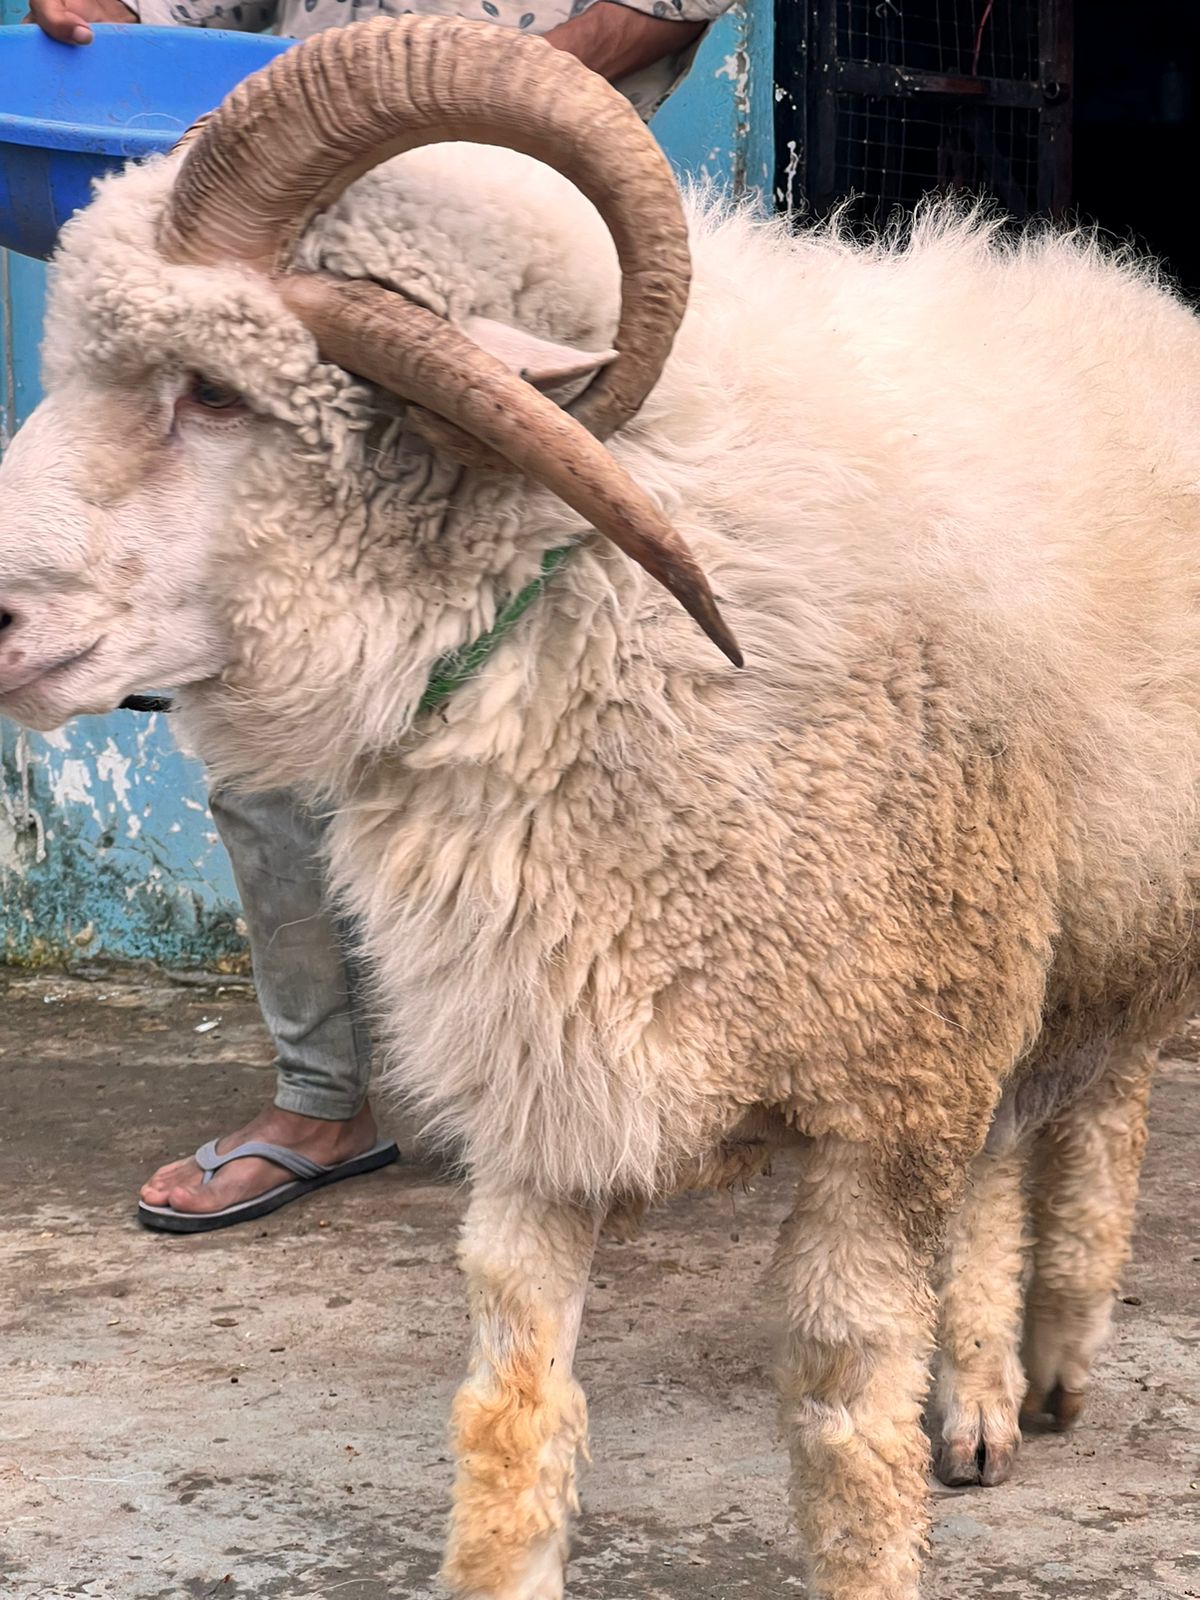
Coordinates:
<point>106,845</point>
<point>720,124</point>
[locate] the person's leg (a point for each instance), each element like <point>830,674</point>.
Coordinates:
<point>308,986</point>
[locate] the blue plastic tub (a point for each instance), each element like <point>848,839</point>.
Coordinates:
<point>70,113</point>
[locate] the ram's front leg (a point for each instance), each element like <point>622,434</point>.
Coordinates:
<point>520,1419</point>
<point>853,1271</point>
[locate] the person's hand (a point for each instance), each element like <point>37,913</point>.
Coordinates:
<point>67,20</point>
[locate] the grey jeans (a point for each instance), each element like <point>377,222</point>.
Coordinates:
<point>308,979</point>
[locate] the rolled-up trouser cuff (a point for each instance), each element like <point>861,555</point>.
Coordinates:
<point>327,1105</point>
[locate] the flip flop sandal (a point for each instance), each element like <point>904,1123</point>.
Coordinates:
<point>310,1175</point>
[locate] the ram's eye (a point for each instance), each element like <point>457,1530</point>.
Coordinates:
<point>211,395</point>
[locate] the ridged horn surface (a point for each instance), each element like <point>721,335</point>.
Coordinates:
<point>290,138</point>
<point>407,349</point>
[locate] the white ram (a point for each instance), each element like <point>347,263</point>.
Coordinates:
<point>923,869</point>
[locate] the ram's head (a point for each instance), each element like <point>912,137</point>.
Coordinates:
<point>186,345</point>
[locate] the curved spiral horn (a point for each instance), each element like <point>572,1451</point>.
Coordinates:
<point>291,138</point>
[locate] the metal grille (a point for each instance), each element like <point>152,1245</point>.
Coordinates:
<point>891,154</point>
<point>997,40</point>
<point>881,102</point>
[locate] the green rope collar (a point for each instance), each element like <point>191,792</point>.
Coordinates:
<point>452,670</point>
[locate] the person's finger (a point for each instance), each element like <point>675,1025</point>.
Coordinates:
<point>57,19</point>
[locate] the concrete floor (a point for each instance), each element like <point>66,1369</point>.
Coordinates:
<point>261,1413</point>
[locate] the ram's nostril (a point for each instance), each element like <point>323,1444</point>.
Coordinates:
<point>6,619</point>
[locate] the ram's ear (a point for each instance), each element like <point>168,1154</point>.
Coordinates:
<point>539,361</point>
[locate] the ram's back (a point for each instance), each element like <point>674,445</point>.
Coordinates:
<point>991,441</point>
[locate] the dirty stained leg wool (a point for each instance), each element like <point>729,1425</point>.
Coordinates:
<point>979,1381</point>
<point>1085,1182</point>
<point>520,1419</point>
<point>852,1270</point>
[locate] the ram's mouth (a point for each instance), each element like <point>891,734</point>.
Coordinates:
<point>55,673</point>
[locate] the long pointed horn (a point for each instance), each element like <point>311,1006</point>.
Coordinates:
<point>407,349</point>
<point>290,138</point>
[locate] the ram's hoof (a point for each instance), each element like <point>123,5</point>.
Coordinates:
<point>963,1465</point>
<point>977,1443</point>
<point>1060,1410</point>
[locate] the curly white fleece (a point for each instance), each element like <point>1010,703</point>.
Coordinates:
<point>617,893</point>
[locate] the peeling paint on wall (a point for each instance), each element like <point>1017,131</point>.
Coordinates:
<point>736,69</point>
<point>96,857</point>
<point>720,126</point>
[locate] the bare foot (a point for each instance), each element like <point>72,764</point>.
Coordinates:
<point>180,1184</point>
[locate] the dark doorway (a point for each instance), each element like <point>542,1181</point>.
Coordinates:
<point>1053,107</point>
<point>1136,127</point>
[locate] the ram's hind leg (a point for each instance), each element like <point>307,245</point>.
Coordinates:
<point>853,1273</point>
<point>520,1418</point>
<point>979,1382</point>
<point>1086,1168</point>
